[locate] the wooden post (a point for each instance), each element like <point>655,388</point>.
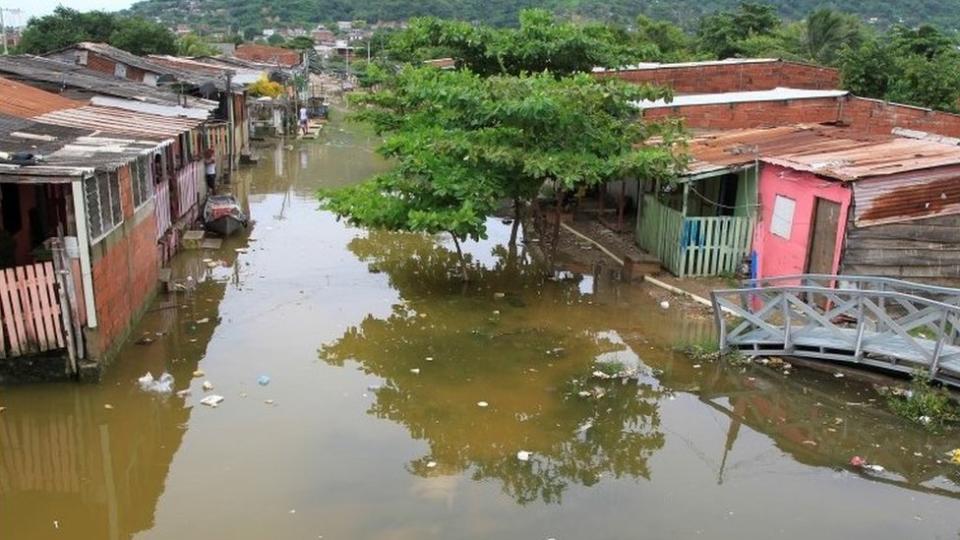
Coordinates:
<point>66,310</point>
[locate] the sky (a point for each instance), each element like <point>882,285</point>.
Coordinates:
<point>33,8</point>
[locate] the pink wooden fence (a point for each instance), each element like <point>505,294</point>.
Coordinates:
<point>188,186</point>
<point>30,310</point>
<point>162,208</point>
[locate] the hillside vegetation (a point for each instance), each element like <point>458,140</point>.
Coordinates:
<point>262,13</point>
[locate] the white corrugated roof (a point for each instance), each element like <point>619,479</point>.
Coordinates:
<point>171,111</point>
<point>658,65</point>
<point>777,94</point>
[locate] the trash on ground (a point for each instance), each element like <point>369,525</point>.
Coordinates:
<point>482,404</point>
<point>838,375</point>
<point>263,380</point>
<point>523,455</point>
<point>207,386</point>
<point>163,385</point>
<point>212,400</point>
<point>665,305</point>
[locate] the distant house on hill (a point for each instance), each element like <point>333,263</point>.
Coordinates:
<point>265,54</point>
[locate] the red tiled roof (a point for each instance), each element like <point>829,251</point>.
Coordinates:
<point>267,55</point>
<point>23,101</point>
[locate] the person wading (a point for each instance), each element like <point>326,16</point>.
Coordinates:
<point>210,162</point>
<point>304,121</point>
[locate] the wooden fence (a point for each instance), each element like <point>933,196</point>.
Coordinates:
<point>30,309</point>
<point>694,246</point>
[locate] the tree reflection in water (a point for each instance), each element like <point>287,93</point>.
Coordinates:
<point>528,353</point>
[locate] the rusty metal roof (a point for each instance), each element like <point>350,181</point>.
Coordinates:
<point>879,158</point>
<point>720,151</point>
<point>116,120</point>
<point>65,153</point>
<point>58,76</point>
<point>23,101</point>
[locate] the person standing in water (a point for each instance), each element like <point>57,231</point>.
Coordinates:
<point>304,120</point>
<point>210,166</point>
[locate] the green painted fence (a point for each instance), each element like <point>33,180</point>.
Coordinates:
<point>693,246</point>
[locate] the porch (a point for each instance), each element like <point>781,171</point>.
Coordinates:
<point>700,225</point>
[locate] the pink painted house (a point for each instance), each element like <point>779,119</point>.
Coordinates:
<point>801,222</point>
<point>885,206</point>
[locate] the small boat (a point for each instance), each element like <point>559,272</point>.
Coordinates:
<point>222,215</point>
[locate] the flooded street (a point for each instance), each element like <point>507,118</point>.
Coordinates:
<point>372,425</point>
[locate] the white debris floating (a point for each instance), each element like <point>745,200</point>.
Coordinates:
<point>212,400</point>
<point>523,455</point>
<point>482,404</point>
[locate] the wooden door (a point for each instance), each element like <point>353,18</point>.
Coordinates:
<point>823,237</point>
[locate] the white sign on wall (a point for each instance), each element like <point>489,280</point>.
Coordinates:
<point>782,221</point>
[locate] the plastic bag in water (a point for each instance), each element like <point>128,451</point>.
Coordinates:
<point>163,385</point>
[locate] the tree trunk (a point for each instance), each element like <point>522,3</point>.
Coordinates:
<point>463,262</point>
<point>517,216</point>
<point>555,237</point>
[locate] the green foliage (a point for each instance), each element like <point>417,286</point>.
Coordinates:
<point>67,26</point>
<point>828,32</point>
<point>194,45</point>
<point>275,39</point>
<point>924,404</point>
<point>671,42</point>
<point>141,37</point>
<point>299,43</point>
<point>539,43</point>
<point>686,13</point>
<point>919,67</point>
<point>64,27</point>
<point>462,141</point>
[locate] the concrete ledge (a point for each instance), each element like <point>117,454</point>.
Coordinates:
<point>46,367</point>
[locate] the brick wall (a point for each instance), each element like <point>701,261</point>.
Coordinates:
<point>733,77</point>
<point>101,64</point>
<point>125,272</point>
<point>869,115</point>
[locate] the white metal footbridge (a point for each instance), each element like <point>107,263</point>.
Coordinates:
<point>884,323</point>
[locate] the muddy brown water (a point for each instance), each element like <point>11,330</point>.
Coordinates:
<point>378,357</point>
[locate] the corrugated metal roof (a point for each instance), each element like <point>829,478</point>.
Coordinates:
<point>736,148</point>
<point>120,121</point>
<point>881,158</point>
<point>21,100</point>
<point>904,197</point>
<point>113,53</point>
<point>151,108</point>
<point>657,65</point>
<point>60,75</point>
<point>723,98</point>
<point>65,152</point>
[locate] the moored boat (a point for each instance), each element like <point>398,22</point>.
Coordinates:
<point>222,215</point>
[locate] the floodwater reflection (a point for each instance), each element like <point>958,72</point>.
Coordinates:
<point>449,346</point>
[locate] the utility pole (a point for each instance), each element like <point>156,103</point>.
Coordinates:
<point>3,26</point>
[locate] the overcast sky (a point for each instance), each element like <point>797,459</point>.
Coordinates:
<point>31,8</point>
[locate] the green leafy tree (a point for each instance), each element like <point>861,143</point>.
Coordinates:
<point>539,43</point>
<point>251,33</point>
<point>142,37</point>
<point>276,39</point>
<point>194,45</point>
<point>868,69</point>
<point>828,32</point>
<point>722,34</point>
<point>462,142</point>
<point>65,27</point>
<point>299,43</point>
<point>671,42</point>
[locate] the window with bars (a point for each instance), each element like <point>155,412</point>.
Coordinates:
<point>104,211</point>
<point>142,183</point>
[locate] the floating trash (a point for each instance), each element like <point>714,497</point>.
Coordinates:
<point>212,401</point>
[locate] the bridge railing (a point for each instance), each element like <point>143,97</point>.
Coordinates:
<point>948,295</point>
<point>885,328</point>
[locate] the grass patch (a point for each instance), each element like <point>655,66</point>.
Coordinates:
<point>924,404</point>
<point>709,351</point>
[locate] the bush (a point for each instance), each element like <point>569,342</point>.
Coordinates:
<point>923,403</point>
